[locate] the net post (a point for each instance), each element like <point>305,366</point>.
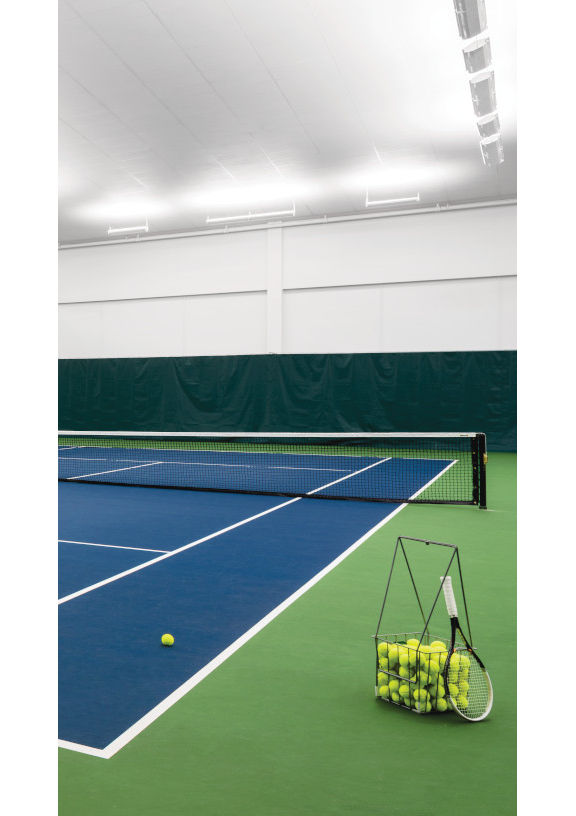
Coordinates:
<point>482,460</point>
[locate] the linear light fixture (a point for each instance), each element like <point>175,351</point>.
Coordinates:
<point>483,93</point>
<point>128,230</point>
<point>471,17</point>
<point>249,215</point>
<point>492,150</point>
<point>477,55</point>
<point>488,125</point>
<point>382,202</point>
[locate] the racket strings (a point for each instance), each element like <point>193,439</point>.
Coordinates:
<point>469,687</point>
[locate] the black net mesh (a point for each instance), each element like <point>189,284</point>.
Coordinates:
<point>377,467</point>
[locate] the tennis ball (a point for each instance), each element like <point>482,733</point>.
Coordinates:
<point>464,661</point>
<point>441,705</point>
<point>423,708</point>
<point>413,643</point>
<point>383,649</point>
<point>455,661</point>
<point>463,685</point>
<point>421,694</point>
<point>443,658</point>
<point>393,653</point>
<point>404,672</point>
<point>438,646</point>
<point>425,649</point>
<point>462,701</point>
<point>384,691</point>
<point>381,678</point>
<point>384,663</point>
<point>167,640</point>
<point>453,690</point>
<point>395,696</point>
<point>404,690</point>
<point>404,659</point>
<point>395,685</point>
<point>413,658</point>
<point>464,674</point>
<point>434,667</point>
<point>440,692</point>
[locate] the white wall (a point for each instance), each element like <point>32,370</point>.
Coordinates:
<point>430,282</point>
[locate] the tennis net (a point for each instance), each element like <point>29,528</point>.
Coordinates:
<point>443,468</point>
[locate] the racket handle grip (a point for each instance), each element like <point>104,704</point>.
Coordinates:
<point>449,596</point>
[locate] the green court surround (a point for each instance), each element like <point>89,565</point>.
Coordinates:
<point>289,726</point>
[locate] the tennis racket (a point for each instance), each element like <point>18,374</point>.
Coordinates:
<point>467,682</point>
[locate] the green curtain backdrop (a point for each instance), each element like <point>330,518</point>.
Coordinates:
<point>424,391</point>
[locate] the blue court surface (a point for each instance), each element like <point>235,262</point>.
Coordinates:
<point>130,570</point>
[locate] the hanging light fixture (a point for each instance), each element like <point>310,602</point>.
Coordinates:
<point>471,17</point>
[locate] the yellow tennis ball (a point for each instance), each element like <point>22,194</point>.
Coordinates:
<point>384,691</point>
<point>167,640</point>
<point>464,685</point>
<point>413,643</point>
<point>438,646</point>
<point>404,672</point>
<point>384,663</point>
<point>464,661</point>
<point>395,685</point>
<point>404,690</point>
<point>383,649</point>
<point>441,705</point>
<point>462,701</point>
<point>393,653</point>
<point>453,690</point>
<point>404,659</point>
<point>395,696</point>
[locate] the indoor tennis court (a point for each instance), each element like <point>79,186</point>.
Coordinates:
<point>287,338</point>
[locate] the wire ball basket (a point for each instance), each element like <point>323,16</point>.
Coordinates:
<point>411,667</point>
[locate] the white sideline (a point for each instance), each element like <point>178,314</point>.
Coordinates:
<point>112,546</point>
<point>139,726</point>
<point>102,472</point>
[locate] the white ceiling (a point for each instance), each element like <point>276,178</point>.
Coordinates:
<point>175,110</point>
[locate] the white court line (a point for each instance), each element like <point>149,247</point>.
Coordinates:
<point>203,464</point>
<point>119,575</point>
<point>356,472</point>
<point>94,458</point>
<point>82,749</point>
<point>139,726</point>
<point>70,447</point>
<point>113,546</point>
<point>102,472</point>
